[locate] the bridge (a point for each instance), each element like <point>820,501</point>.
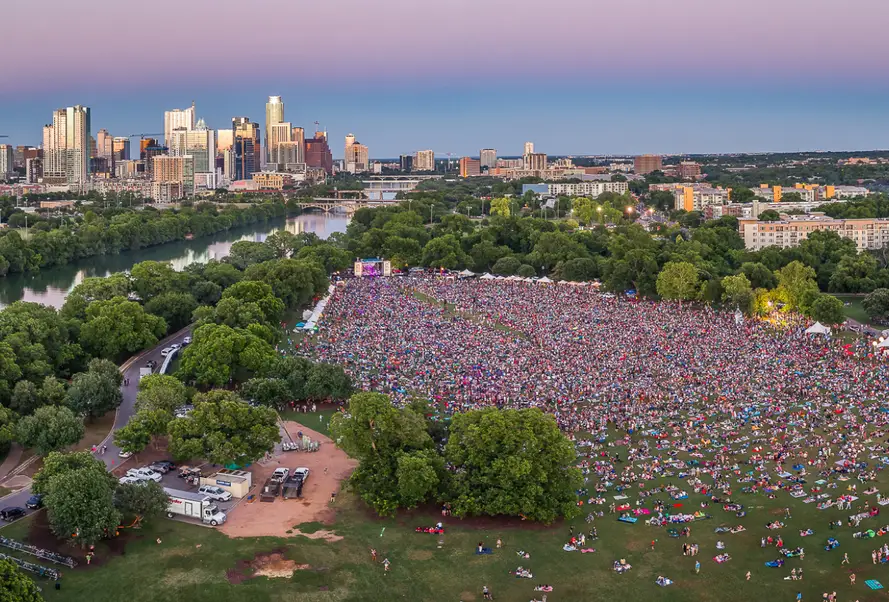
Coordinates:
<point>347,206</point>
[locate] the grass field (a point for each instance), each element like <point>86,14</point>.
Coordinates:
<point>199,564</point>
<point>855,310</point>
<point>317,421</point>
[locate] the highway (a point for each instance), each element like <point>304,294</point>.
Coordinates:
<point>129,370</point>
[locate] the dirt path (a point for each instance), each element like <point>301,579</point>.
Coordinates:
<point>252,519</point>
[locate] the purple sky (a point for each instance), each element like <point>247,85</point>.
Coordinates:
<point>523,57</point>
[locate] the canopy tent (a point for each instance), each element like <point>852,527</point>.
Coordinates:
<point>466,273</point>
<point>543,280</point>
<point>487,276</point>
<point>818,328</point>
<point>883,344</point>
<point>514,278</point>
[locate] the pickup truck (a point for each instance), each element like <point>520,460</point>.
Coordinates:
<point>146,474</point>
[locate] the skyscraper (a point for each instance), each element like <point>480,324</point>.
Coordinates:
<point>488,157</point>
<point>121,148</point>
<point>278,133</point>
<point>526,156</point>
<point>77,149</point>
<point>469,167</point>
<point>177,118</point>
<point>357,156</point>
<point>350,140</point>
<point>424,161</point>
<point>224,140</point>
<point>199,143</point>
<point>406,163</point>
<point>299,136</point>
<point>318,153</point>
<point>55,142</point>
<point>246,146</point>
<point>7,159</point>
<point>274,114</point>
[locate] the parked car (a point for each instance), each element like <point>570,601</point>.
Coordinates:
<point>166,351</point>
<point>145,474</point>
<point>162,466</point>
<point>175,345</point>
<point>217,494</point>
<point>127,480</point>
<point>35,501</point>
<point>303,472</point>
<point>186,341</point>
<point>124,454</point>
<point>280,474</point>
<point>12,513</point>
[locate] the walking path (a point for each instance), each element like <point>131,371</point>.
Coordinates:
<point>12,460</point>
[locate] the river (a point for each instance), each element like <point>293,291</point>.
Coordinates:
<point>52,285</point>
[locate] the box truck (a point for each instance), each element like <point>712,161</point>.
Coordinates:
<point>193,505</point>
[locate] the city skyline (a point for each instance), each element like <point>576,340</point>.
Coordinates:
<point>673,80</point>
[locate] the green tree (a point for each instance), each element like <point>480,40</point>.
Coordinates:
<point>49,428</point>
<point>271,392</point>
<point>678,281</point>
<point>219,353</point>
<point>117,327</point>
<point>526,271</point>
<point>52,391</point>
<point>331,258</point>
<point>225,430</point>
<point>856,273</point>
<point>827,309</point>
<point>583,209</point>
<point>261,294</point>
<point>146,500</point>
<point>95,392</point>
<point>796,282</point>
<point>769,215</point>
<point>174,308</point>
<point>80,506</point>
<point>445,252</point>
<point>134,436</point>
<point>95,289</point>
<point>58,463</point>
<point>501,206</point>
<point>506,266</point>
<point>25,397</point>
<point>511,463</point>
<point>293,281</point>
<point>553,247</point>
<point>16,586</point>
<point>736,290</point>
<point>153,278</point>
<point>581,269</point>
<point>485,254</point>
<point>759,275</point>
<point>328,381</point>
<point>876,304</point>
<point>7,427</point>
<point>282,243</point>
<point>245,253</point>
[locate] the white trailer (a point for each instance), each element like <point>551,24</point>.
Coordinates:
<point>143,372</point>
<point>193,505</point>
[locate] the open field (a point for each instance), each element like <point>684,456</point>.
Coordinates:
<point>855,310</point>
<point>200,563</point>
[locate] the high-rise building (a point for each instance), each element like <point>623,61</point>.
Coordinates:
<point>470,167</point>
<point>299,136</point>
<point>7,161</point>
<point>350,140</point>
<point>647,163</point>
<point>357,158</point>
<point>290,154</point>
<point>177,118</point>
<point>180,170</point>
<point>247,146</point>
<point>406,163</point>
<point>104,141</point>
<point>689,170</point>
<point>224,140</point>
<point>278,133</point>
<point>535,161</point>
<point>33,170</point>
<point>424,161</point>
<point>488,158</point>
<point>199,143</point>
<point>24,152</point>
<point>318,153</point>
<point>55,140</point>
<point>149,152</point>
<point>529,149</point>
<point>274,114</point>
<point>77,145</point>
<point>121,148</point>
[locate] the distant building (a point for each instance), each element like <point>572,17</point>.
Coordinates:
<point>247,147</point>
<point>424,161</point>
<point>406,163</point>
<point>488,158</point>
<point>689,170</point>
<point>791,230</point>
<point>7,161</point>
<point>278,134</point>
<point>34,170</point>
<point>198,143</point>
<point>644,164</point>
<point>470,167</point>
<point>696,198</point>
<point>224,140</point>
<point>174,170</point>
<point>290,153</point>
<point>121,147</point>
<point>104,142</point>
<point>535,161</point>
<point>318,153</point>
<point>177,118</point>
<point>510,163</point>
<point>274,115</point>
<point>591,189</point>
<point>66,146</point>
<point>357,156</point>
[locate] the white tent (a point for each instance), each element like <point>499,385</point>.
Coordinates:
<point>818,328</point>
<point>883,344</point>
<point>514,278</point>
<point>467,273</point>
<point>544,280</point>
<point>487,276</point>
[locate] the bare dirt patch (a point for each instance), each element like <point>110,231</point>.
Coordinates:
<point>272,564</point>
<point>319,534</point>
<point>328,468</point>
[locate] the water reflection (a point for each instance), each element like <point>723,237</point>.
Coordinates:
<point>51,286</point>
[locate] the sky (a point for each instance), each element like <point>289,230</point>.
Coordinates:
<point>574,76</point>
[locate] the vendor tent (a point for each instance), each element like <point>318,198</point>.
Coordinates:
<point>883,344</point>
<point>466,274</point>
<point>818,328</point>
<point>544,280</point>
<point>487,276</point>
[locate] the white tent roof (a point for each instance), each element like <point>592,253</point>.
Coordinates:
<point>467,273</point>
<point>544,280</point>
<point>514,278</point>
<point>817,328</point>
<point>487,276</point>
<point>883,344</point>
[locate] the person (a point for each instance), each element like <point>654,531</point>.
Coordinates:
<point>479,548</point>
<point>373,554</point>
<point>697,566</point>
<point>748,576</point>
<point>385,565</point>
<point>799,596</point>
<point>486,593</point>
<point>845,558</point>
<point>852,579</point>
<point>499,543</point>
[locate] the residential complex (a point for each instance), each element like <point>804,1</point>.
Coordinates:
<point>590,189</point>
<point>644,164</point>
<point>7,161</point>
<point>424,161</point>
<point>488,158</point>
<point>470,167</point>
<point>790,230</point>
<point>178,118</point>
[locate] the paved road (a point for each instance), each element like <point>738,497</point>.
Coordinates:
<point>130,370</point>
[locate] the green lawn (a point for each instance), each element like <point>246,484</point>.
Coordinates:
<point>855,310</point>
<point>192,561</point>
<point>317,421</point>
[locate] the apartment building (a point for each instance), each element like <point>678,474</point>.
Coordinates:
<point>790,230</point>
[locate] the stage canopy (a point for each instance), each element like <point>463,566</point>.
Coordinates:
<point>818,328</point>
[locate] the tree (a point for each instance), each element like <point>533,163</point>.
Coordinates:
<point>328,381</point>
<point>380,436</point>
<point>118,326</point>
<point>224,429</point>
<point>95,289</point>
<point>80,506</point>
<point>25,397</point>
<point>161,392</point>
<point>526,271</point>
<point>153,278</point>
<point>49,428</point>
<point>7,427</point>
<point>245,253</point>
<point>827,309</point>
<point>331,258</point>
<point>583,210</point>
<point>769,215</point>
<point>736,290</point>
<point>876,304</point>
<point>282,243</point>
<point>445,252</point>
<point>797,282</point>
<point>134,436</point>
<point>261,294</point>
<point>52,391</point>
<point>95,392</point>
<point>506,266</point>
<point>146,500</point>
<point>678,281</point>
<point>512,463</point>
<point>855,273</point>
<point>553,247</point>
<point>581,269</point>
<point>218,354</point>
<point>58,463</point>
<point>485,254</point>
<point>271,392</point>
<point>501,206</point>
<point>293,281</point>
<point>16,586</point>
<point>175,308</point>
<point>759,275</point>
